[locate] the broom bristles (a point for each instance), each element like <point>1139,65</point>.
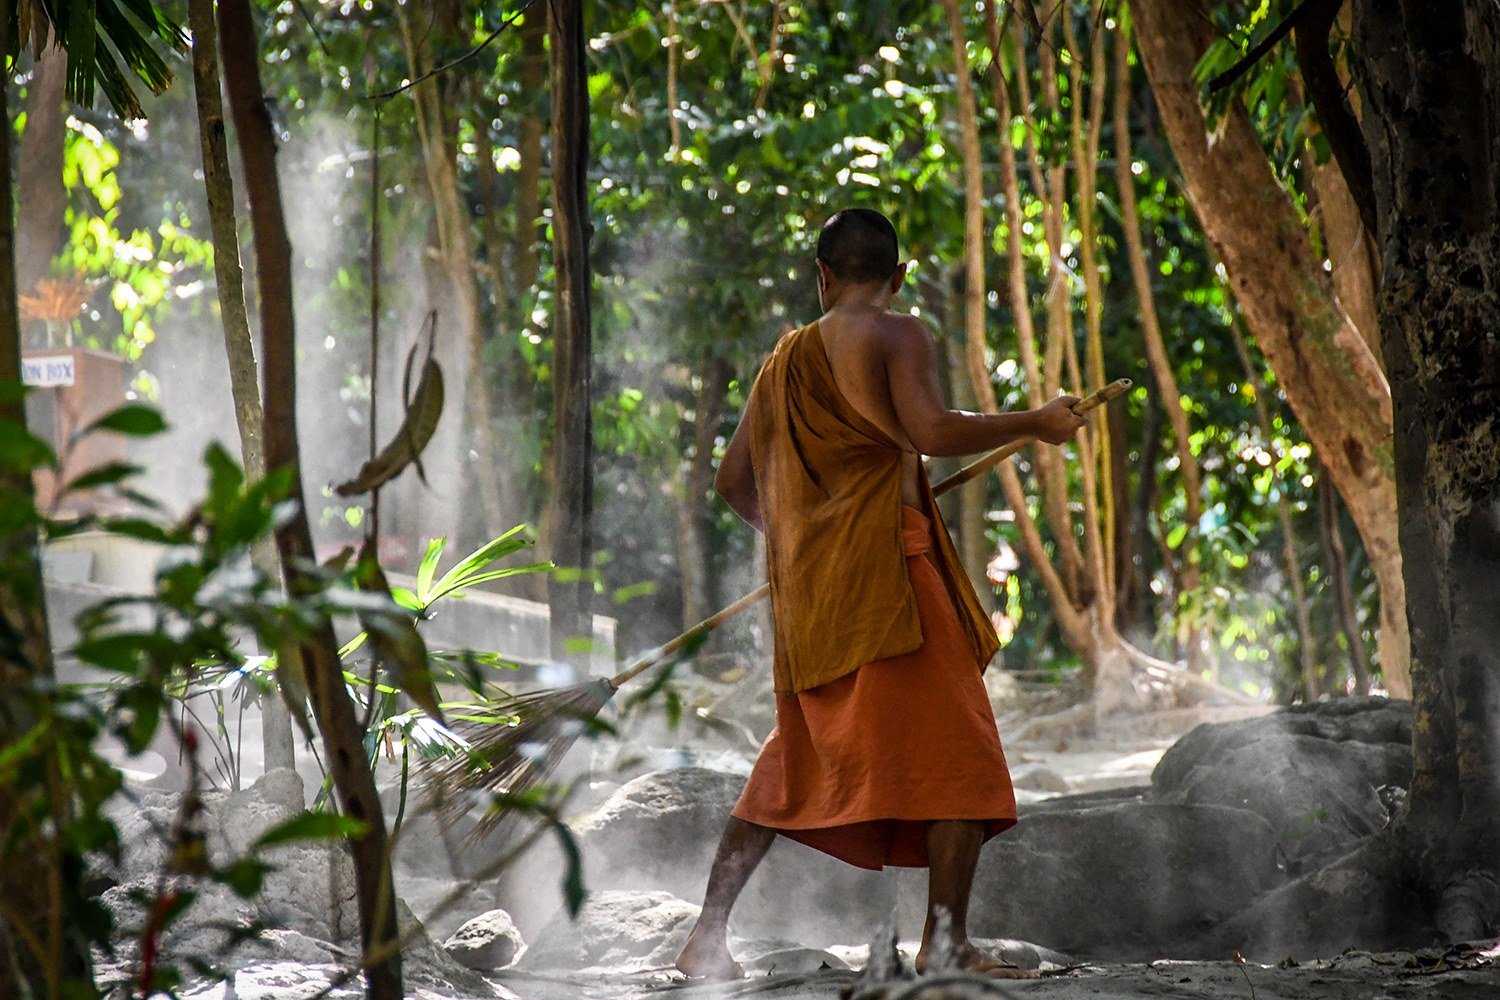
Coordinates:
<point>513,758</point>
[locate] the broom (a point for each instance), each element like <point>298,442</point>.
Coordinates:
<point>507,759</point>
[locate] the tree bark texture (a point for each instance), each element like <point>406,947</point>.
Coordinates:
<point>239,345</point>
<point>1331,378</point>
<point>343,737</point>
<point>571,542</point>
<point>31,881</point>
<point>1429,80</point>
<point>39,180</point>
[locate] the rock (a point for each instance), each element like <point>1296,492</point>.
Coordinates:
<point>790,961</point>
<point>659,832</point>
<point>423,849</point>
<point>488,941</point>
<point>242,816</point>
<point>426,896</point>
<point>1039,778</point>
<point>1313,772</point>
<point>427,965</point>
<point>663,821</point>
<point>204,931</point>
<point>621,931</point>
<point>1022,953</point>
<point>1133,879</point>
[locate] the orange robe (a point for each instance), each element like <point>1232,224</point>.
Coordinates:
<point>858,765</point>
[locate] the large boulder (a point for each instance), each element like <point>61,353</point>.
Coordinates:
<point>1316,773</point>
<point>1121,879</point>
<point>618,931</point>
<point>660,832</point>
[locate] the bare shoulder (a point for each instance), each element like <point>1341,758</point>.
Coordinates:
<point>903,336</point>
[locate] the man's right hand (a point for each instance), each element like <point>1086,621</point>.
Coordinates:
<point>1056,422</point>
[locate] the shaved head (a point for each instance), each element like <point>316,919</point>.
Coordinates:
<point>859,246</point>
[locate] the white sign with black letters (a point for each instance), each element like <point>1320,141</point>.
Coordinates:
<point>47,371</point>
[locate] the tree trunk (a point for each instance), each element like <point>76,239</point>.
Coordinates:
<point>1333,382</point>
<point>343,737</point>
<point>229,278</point>
<point>1350,250</point>
<point>460,258</point>
<point>39,229</point>
<point>31,881</point>
<point>1291,563</point>
<point>529,176</point>
<point>510,383</point>
<point>528,236</point>
<point>1343,593</point>
<point>571,541</point>
<point>692,553</point>
<point>1429,78</point>
<point>1168,394</point>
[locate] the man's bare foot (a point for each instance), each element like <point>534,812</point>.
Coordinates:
<point>707,957</point>
<point>968,958</point>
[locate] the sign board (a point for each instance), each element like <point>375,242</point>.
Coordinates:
<point>48,371</point>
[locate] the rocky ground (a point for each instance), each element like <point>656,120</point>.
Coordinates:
<point>1130,853</point>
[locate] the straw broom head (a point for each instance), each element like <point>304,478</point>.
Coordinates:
<point>511,758</point>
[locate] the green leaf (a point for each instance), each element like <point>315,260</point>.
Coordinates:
<point>311,826</point>
<point>429,566</point>
<point>133,419</point>
<point>107,474</point>
<point>481,557</point>
<point>495,574</point>
<point>244,876</point>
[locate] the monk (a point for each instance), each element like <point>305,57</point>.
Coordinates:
<point>885,750</point>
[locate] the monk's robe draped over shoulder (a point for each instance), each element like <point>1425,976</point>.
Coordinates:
<point>829,486</point>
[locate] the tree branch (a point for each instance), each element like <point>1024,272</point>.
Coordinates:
<point>1334,114</point>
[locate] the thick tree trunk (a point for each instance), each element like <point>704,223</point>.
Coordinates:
<point>1429,78</point>
<point>571,539</point>
<point>31,881</point>
<point>343,737</point>
<point>39,180</point>
<point>229,278</point>
<point>1332,380</point>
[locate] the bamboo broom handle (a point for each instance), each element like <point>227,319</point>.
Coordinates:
<point>652,657</point>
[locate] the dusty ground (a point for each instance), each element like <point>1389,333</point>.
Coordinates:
<point>1357,976</point>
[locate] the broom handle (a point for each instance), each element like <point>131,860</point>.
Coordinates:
<point>652,657</point>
